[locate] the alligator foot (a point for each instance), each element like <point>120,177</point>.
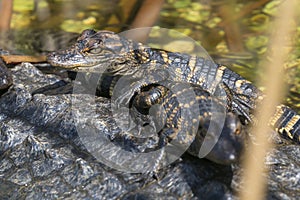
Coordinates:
<point>130,85</point>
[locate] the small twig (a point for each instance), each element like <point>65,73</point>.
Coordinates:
<point>13,59</point>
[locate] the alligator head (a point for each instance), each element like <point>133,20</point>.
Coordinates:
<point>98,50</point>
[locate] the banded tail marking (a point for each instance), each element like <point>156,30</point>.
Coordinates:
<point>287,123</point>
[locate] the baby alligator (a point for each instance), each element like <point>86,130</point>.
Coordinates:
<point>205,110</point>
<point>105,50</point>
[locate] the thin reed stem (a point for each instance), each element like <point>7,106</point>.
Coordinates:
<point>254,179</point>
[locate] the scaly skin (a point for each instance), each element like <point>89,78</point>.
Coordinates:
<point>107,51</point>
<point>210,112</point>
<point>104,50</point>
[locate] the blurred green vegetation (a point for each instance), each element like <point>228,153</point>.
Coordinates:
<point>238,39</point>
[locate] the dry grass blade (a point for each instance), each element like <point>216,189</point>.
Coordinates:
<point>254,180</point>
<point>6,14</point>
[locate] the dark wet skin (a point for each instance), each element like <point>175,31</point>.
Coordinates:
<point>5,76</point>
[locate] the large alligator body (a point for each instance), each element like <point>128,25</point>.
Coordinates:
<point>42,156</point>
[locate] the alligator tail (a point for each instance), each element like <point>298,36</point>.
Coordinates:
<point>287,123</point>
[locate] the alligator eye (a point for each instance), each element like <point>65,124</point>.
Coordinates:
<point>95,50</point>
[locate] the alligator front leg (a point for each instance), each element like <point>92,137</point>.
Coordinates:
<point>129,85</point>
